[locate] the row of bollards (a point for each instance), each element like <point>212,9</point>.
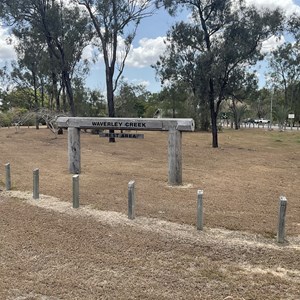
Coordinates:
<point>131,201</point>
<point>36,185</point>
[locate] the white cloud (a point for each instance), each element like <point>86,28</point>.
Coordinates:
<point>288,6</point>
<point>7,51</point>
<point>147,53</point>
<point>88,52</point>
<point>136,81</point>
<point>272,43</point>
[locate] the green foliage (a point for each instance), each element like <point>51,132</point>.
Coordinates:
<point>281,114</point>
<point>237,113</point>
<point>174,99</point>
<point>88,103</point>
<point>215,49</point>
<point>284,67</point>
<point>152,105</point>
<point>22,98</point>
<point>260,103</point>
<point>112,19</point>
<point>131,100</point>
<point>5,119</point>
<point>47,28</point>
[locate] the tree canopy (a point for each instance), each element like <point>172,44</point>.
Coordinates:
<point>223,39</point>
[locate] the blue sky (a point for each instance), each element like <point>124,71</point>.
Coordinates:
<point>147,47</point>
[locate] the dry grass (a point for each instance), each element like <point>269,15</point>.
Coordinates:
<point>242,180</point>
<point>50,251</point>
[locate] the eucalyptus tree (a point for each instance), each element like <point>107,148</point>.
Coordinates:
<point>221,36</point>
<point>63,29</point>
<point>281,113</point>
<point>130,100</point>
<point>27,70</point>
<point>115,23</point>
<point>175,101</point>
<point>240,90</point>
<point>284,66</point>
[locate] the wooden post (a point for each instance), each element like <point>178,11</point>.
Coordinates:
<point>131,200</point>
<point>75,191</point>
<point>7,177</point>
<point>36,185</point>
<point>281,219</point>
<point>174,126</point>
<point>200,210</point>
<point>74,150</point>
<point>175,156</point>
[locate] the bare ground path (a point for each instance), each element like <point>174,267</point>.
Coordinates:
<point>50,251</point>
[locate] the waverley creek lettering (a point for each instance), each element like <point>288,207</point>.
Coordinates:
<point>120,124</point>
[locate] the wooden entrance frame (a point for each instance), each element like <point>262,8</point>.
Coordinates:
<point>175,127</point>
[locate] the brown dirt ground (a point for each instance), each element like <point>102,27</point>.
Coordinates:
<point>50,251</point>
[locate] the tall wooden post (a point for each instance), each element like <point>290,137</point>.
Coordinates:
<point>175,156</point>
<point>174,126</point>
<point>74,150</point>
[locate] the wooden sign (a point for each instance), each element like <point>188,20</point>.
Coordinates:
<point>122,135</point>
<point>174,126</point>
<point>144,124</point>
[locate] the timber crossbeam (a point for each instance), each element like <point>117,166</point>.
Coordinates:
<point>126,123</point>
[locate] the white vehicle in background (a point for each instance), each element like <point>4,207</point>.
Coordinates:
<point>261,121</point>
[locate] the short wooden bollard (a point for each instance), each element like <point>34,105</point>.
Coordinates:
<point>36,184</point>
<point>75,191</point>
<point>200,210</point>
<point>281,219</point>
<point>131,200</point>
<point>7,177</point>
<point>74,150</point>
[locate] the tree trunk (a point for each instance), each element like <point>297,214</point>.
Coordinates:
<point>64,100</point>
<point>110,98</point>
<point>214,129</point>
<point>36,103</point>
<point>213,114</point>
<point>42,92</point>
<point>69,91</point>
<point>54,93</point>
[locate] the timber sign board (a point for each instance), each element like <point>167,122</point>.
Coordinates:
<point>127,123</point>
<point>175,127</point>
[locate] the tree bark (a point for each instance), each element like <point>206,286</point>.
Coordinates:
<point>213,114</point>
<point>36,104</point>
<point>214,129</point>
<point>69,91</point>
<point>110,98</point>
